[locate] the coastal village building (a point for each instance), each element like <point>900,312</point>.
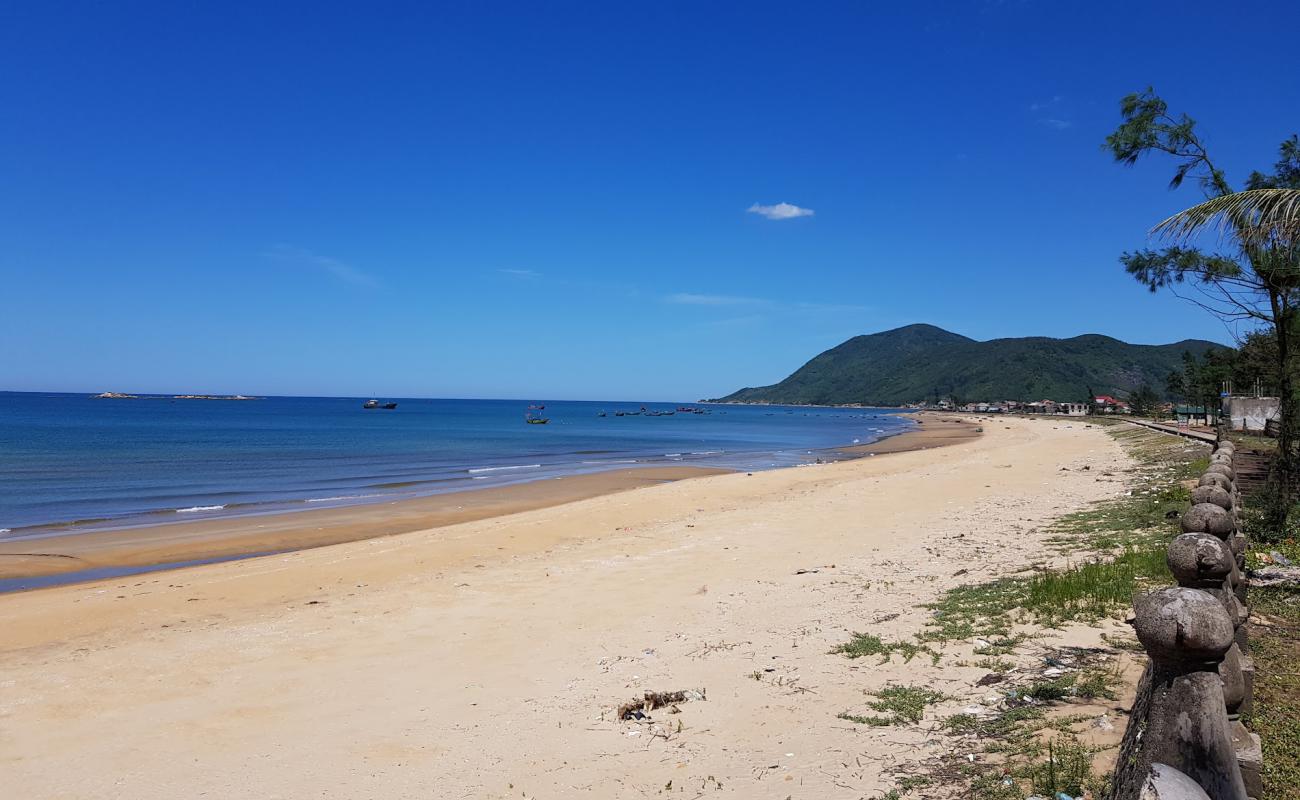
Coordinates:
<point>1251,413</point>
<point>1105,404</point>
<point>1193,415</point>
<point>1112,406</point>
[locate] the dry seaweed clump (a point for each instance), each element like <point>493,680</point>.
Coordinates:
<point>640,707</point>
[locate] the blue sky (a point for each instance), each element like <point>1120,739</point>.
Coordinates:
<point>561,200</point>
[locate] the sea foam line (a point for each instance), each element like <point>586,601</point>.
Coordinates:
<point>498,469</point>
<point>341,497</point>
<point>193,509</point>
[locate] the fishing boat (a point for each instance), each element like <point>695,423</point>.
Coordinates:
<point>533,418</point>
<point>369,404</point>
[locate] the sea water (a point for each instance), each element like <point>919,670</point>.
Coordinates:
<point>71,463</point>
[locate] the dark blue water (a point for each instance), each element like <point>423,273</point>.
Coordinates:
<point>70,463</point>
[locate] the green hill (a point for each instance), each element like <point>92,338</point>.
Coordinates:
<point>922,362</point>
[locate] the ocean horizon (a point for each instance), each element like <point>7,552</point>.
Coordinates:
<point>72,463</point>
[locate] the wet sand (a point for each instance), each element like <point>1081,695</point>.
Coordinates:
<point>297,530</point>
<point>234,537</point>
<point>936,430</point>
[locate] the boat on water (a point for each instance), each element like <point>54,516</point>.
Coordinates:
<point>533,418</point>
<point>369,404</point>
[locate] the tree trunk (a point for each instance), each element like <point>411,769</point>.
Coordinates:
<point>1286,401</point>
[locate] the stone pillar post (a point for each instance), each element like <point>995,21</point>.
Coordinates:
<point>1181,718</point>
<point>1166,783</point>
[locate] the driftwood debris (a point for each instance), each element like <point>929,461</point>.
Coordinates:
<point>1275,576</point>
<point>639,707</point>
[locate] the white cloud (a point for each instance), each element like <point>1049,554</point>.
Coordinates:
<point>299,255</point>
<point>686,299</point>
<point>1055,101</point>
<point>521,273</point>
<point>1052,113</point>
<point>780,211</point>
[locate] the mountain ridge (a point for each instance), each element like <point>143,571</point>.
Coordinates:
<point>924,362</point>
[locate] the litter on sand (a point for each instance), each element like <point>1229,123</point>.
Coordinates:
<point>640,708</point>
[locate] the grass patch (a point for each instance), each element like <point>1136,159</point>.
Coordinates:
<point>900,704</point>
<point>1084,592</point>
<point>1260,555</point>
<point>1088,685</point>
<point>906,785</point>
<point>1121,642</point>
<point>1029,762</point>
<point>1068,769</point>
<point>858,719</point>
<point>1276,648</point>
<point>906,703</point>
<point>868,644</point>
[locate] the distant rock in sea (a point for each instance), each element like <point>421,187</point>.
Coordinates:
<point>121,396</point>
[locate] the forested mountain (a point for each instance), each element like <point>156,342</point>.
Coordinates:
<point>922,362</point>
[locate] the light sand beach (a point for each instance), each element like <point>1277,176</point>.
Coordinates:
<point>486,658</point>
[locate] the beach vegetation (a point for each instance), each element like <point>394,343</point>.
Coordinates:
<point>898,704</point>
<point>1086,685</point>
<point>1030,750</point>
<point>906,785</point>
<point>869,644</point>
<point>911,783</point>
<point>1275,646</point>
<point>1274,636</point>
<point>859,719</point>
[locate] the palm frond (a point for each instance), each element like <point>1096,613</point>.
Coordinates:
<point>1257,217</point>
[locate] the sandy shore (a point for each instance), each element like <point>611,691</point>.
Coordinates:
<point>274,533</point>
<point>486,658</point>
